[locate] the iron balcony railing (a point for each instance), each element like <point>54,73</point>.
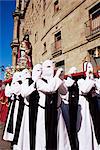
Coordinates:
<point>92,27</point>
<point>56,48</point>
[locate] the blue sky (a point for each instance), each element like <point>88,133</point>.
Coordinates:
<point>6,32</point>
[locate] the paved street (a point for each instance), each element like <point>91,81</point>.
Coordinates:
<point>3,145</point>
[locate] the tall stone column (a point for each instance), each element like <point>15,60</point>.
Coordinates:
<point>17,4</point>
<point>15,42</point>
<point>22,6</point>
<point>18,16</point>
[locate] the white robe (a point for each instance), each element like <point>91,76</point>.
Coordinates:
<point>23,140</point>
<point>85,129</point>
<point>9,136</point>
<point>62,135</point>
<point>8,92</point>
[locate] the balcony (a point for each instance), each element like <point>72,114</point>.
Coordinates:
<point>56,48</point>
<point>92,28</point>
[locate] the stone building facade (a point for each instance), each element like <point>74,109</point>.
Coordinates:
<point>65,31</point>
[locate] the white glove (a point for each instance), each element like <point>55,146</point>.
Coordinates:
<point>69,82</point>
<point>16,88</point>
<point>59,71</point>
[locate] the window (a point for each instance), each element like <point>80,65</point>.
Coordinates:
<point>60,64</point>
<point>32,6</point>
<point>95,57</point>
<point>58,36</point>
<point>58,40</point>
<point>57,46</point>
<point>36,37</point>
<point>95,52</point>
<point>93,24</point>
<point>44,23</point>
<point>94,15</point>
<point>44,5</point>
<point>45,47</point>
<point>56,6</point>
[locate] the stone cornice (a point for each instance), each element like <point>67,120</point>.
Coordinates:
<point>16,13</point>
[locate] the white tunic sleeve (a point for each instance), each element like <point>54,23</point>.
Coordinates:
<point>26,89</point>
<point>69,82</point>
<point>80,84</point>
<point>87,86</point>
<point>52,86</point>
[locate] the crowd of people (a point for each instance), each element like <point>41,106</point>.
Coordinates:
<point>49,112</point>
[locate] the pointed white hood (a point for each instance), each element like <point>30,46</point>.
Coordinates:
<point>15,86</point>
<point>25,74</point>
<point>16,77</point>
<point>47,69</point>
<point>36,72</point>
